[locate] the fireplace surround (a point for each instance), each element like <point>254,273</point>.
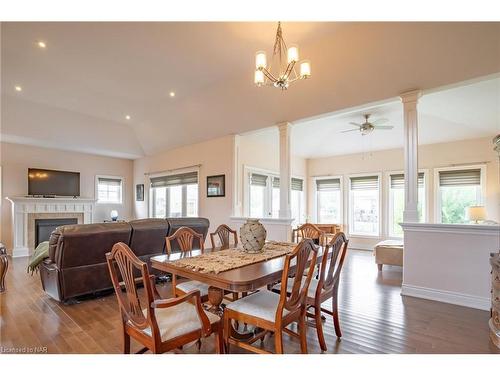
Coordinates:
<point>25,210</point>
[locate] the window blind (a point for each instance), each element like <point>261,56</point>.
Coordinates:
<point>276,182</point>
<point>175,179</point>
<point>297,184</point>
<point>328,184</point>
<point>364,183</point>
<point>109,181</point>
<point>258,179</point>
<point>398,180</point>
<point>465,177</point>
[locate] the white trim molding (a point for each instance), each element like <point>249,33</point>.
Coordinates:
<point>445,296</point>
<point>470,229</point>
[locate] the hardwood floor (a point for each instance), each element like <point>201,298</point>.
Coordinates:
<point>374,318</point>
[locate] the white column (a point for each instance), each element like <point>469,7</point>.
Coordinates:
<point>237,180</point>
<point>285,170</point>
<point>410,115</point>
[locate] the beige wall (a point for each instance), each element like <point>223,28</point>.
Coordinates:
<point>430,157</point>
<point>16,159</point>
<point>215,157</point>
<point>261,150</point>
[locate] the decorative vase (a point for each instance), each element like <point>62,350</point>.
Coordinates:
<point>253,236</point>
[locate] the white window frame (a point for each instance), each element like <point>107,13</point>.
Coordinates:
<point>248,170</point>
<point>96,191</point>
<point>437,195</point>
<point>387,194</point>
<point>151,194</point>
<point>302,209</point>
<point>380,206</point>
<point>316,197</point>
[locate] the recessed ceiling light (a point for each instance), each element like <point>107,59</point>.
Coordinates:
<point>128,117</point>
<point>172,94</point>
<point>42,44</point>
<point>18,88</point>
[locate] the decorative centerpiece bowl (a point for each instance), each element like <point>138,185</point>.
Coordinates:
<point>253,236</point>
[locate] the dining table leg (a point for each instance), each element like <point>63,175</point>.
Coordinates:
<point>215,297</point>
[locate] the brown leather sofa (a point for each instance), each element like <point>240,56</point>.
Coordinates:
<point>77,263</point>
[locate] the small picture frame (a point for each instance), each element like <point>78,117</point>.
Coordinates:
<point>139,192</point>
<point>216,186</point>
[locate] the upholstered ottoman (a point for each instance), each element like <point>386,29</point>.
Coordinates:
<point>389,252</point>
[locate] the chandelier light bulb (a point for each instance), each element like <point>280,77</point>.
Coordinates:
<point>259,77</point>
<point>260,60</point>
<point>305,69</point>
<point>293,53</point>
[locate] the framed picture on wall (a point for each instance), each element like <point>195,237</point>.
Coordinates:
<point>139,192</point>
<point>216,186</point>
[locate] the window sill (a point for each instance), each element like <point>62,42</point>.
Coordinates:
<point>368,236</point>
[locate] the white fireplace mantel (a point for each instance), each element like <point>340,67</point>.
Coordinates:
<point>23,206</point>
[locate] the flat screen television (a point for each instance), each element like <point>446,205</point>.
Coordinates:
<point>47,182</point>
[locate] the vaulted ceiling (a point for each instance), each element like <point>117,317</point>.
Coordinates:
<point>77,91</point>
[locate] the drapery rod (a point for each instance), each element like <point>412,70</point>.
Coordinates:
<point>172,170</point>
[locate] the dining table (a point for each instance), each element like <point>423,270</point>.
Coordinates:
<point>245,279</point>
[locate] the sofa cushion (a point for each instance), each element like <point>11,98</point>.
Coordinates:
<point>86,244</point>
<point>148,236</point>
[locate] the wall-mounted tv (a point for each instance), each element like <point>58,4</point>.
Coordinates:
<point>47,182</point>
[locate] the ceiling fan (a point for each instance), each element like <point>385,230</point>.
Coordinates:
<point>367,127</point>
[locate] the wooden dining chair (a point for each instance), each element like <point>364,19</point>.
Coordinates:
<point>163,324</point>
<point>311,231</point>
<point>185,237</point>
<point>273,312</point>
<point>327,286</point>
<point>224,233</point>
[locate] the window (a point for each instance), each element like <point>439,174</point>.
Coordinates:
<point>364,206</point>
<point>457,188</point>
<point>109,189</point>
<point>328,200</point>
<point>264,196</point>
<point>275,199</point>
<point>175,195</point>
<point>258,195</point>
<point>297,201</point>
<point>397,202</point>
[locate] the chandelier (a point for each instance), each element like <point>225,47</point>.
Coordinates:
<point>281,71</point>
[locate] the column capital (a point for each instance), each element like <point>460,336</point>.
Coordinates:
<point>282,126</point>
<point>410,96</point>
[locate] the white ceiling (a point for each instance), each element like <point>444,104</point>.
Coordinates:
<point>78,90</point>
<point>463,112</point>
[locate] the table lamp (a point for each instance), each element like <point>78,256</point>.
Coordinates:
<point>114,215</point>
<point>476,213</point>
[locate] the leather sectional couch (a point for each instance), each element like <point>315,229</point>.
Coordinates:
<point>77,265</point>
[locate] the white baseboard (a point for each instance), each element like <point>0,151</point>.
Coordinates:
<point>19,252</point>
<point>454,298</point>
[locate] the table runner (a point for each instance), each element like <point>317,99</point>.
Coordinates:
<point>225,260</point>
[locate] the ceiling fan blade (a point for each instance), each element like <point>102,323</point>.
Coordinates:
<point>388,127</point>
<point>355,124</point>
<point>380,121</point>
<point>351,130</point>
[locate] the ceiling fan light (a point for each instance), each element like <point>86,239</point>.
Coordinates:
<point>293,53</point>
<point>260,60</point>
<point>305,69</point>
<point>259,77</point>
